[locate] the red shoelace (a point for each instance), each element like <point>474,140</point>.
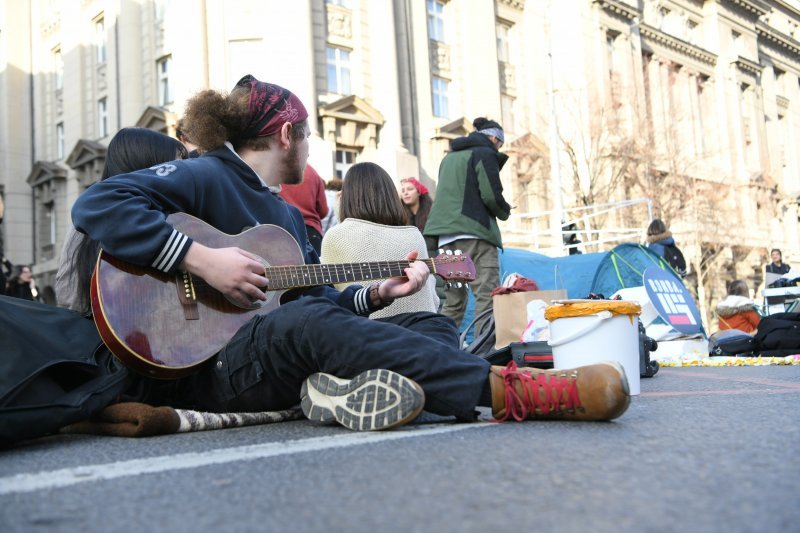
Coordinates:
<point>542,394</point>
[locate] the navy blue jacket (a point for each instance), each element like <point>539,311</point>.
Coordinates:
<point>127,213</point>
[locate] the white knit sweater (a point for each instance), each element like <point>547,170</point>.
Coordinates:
<point>354,241</point>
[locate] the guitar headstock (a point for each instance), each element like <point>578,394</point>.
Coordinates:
<point>454,267</point>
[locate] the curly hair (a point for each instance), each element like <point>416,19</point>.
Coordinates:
<point>212,117</point>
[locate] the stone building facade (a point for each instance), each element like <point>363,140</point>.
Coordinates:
<point>691,105</point>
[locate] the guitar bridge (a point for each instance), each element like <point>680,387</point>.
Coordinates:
<point>187,295</point>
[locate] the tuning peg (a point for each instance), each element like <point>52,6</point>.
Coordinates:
<point>441,251</point>
<point>448,252</point>
<point>447,285</point>
<point>459,285</point>
<point>458,252</point>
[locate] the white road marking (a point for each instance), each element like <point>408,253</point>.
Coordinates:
<point>53,479</point>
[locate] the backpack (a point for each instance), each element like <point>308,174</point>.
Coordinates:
<point>779,334</point>
<point>675,258</point>
<point>732,342</point>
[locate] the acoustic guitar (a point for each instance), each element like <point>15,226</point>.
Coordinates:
<point>164,326</point>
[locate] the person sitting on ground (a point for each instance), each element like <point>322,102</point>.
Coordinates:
<point>318,349</point>
<point>737,310</point>
<point>373,227</point>
<point>130,149</point>
<point>309,197</point>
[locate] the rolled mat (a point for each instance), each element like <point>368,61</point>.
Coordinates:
<point>133,419</point>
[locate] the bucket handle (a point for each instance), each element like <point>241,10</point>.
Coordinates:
<point>601,317</point>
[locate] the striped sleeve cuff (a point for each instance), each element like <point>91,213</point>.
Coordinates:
<point>172,252</point>
<point>361,302</point>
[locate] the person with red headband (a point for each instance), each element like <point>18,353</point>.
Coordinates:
<point>416,201</point>
<point>319,348</point>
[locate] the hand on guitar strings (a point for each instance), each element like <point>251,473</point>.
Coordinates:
<point>415,278</point>
<point>236,273</point>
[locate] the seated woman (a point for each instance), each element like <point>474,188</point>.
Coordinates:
<point>737,310</point>
<point>130,149</point>
<point>373,227</point>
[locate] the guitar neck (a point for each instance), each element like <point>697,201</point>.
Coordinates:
<point>297,276</point>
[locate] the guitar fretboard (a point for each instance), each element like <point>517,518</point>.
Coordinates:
<point>296,276</point>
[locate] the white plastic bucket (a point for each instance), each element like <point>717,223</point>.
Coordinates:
<point>601,336</point>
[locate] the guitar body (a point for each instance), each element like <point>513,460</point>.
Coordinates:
<point>163,326</point>
<point>146,319</point>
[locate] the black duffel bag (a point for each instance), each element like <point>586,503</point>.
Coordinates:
<point>779,335</point>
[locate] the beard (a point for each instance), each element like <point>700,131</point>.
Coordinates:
<point>292,168</point>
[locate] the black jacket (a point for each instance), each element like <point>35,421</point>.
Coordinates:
<point>54,370</point>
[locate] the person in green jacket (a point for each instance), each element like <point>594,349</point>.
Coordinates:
<point>469,200</point>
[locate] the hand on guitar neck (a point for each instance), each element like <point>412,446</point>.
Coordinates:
<point>239,274</point>
<point>415,278</point>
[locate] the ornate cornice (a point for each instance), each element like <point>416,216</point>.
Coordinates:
<point>519,5</point>
<point>748,67</point>
<point>615,7</point>
<point>653,35</point>
<point>44,172</point>
<point>757,8</point>
<point>790,8</point>
<point>782,101</point>
<point>778,39</point>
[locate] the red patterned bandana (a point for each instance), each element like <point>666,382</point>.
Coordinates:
<point>271,106</point>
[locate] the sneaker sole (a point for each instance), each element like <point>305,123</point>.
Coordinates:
<point>371,401</point>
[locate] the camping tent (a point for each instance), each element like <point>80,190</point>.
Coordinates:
<point>582,274</point>
<point>602,273</point>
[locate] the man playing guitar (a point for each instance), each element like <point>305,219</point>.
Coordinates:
<point>319,348</point>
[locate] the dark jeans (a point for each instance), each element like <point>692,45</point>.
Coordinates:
<point>265,364</point>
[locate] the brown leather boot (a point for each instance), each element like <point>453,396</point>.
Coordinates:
<point>592,392</point>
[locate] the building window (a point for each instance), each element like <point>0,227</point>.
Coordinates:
<point>692,32</point>
<point>58,68</point>
<point>50,217</point>
<point>160,8</point>
<point>344,160</point>
<point>164,87</point>
<point>503,42</point>
<point>102,118</point>
<point>507,109</point>
<point>436,20</point>
<point>662,18</point>
<point>60,140</point>
<point>338,70</point>
<point>440,103</point>
<point>100,39</point>
<point>736,38</point>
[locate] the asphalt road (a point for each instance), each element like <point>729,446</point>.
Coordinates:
<point>701,449</point>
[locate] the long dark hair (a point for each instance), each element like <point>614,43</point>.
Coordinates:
<point>130,149</point>
<point>368,193</point>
